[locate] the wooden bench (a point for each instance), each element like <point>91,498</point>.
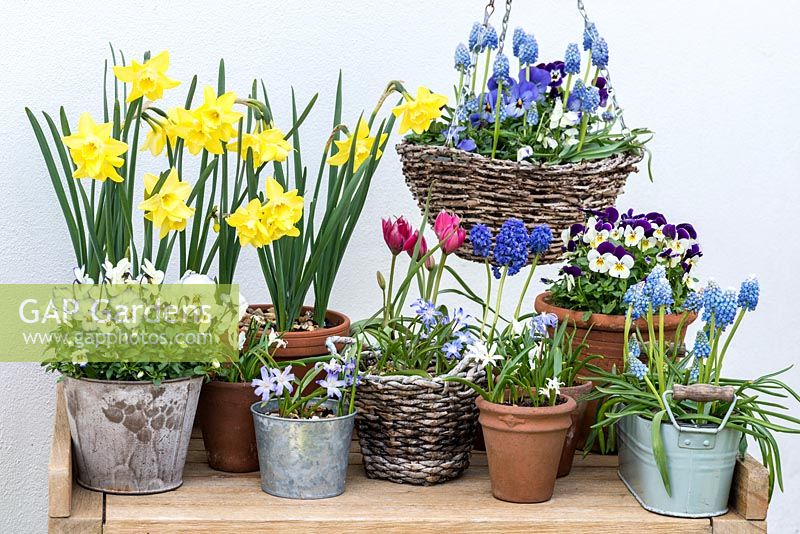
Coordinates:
<point>590,500</point>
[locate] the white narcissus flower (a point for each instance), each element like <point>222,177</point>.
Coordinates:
<point>80,275</point>
<point>619,267</point>
<point>633,235</point>
<point>150,274</point>
<point>119,273</point>
<point>598,263</point>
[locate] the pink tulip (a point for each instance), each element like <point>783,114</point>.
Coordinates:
<point>447,228</point>
<point>396,233</point>
<point>411,242</point>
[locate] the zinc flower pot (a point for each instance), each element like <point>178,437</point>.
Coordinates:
<point>577,393</point>
<point>700,462</point>
<point>131,437</point>
<point>302,458</point>
<point>523,448</point>
<point>227,425</point>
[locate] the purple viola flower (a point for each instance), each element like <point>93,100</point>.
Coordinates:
<point>521,97</point>
<point>611,214</point>
<point>576,229</point>
<point>694,251</point>
<point>486,114</point>
<point>620,252</point>
<point>467,145</point>
<point>602,225</point>
<point>689,230</point>
<point>642,223</point>
<point>539,77</point>
<point>572,246</point>
<point>556,69</point>
<point>452,135</point>
<point>602,87</point>
<point>572,270</point>
<point>606,247</point>
<point>656,218</point>
<point>669,231</point>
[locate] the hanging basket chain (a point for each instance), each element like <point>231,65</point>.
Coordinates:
<point>504,28</point>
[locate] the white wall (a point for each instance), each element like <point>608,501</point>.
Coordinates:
<point>716,80</point>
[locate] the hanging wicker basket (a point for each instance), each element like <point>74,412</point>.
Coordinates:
<point>489,191</point>
<point>416,430</point>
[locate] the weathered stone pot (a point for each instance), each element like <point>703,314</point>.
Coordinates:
<point>131,437</point>
<point>227,425</point>
<point>523,448</point>
<point>577,393</point>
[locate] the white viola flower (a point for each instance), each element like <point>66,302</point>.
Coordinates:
<point>242,339</point>
<point>566,236</point>
<point>658,233</point>
<point>119,273</point>
<point>524,153</point>
<point>598,263</point>
<point>549,142</point>
<point>616,234</point>
<point>619,267</point>
<point>482,354</point>
<point>647,243</point>
<point>215,363</point>
<point>570,280</point>
<point>81,278</point>
<point>556,114</point>
<point>690,281</point>
<point>570,118</point>
<point>588,235</point>
<point>150,274</point>
<point>678,246</point>
<point>633,236</point>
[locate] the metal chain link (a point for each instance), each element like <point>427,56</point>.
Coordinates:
<point>504,27</point>
<point>607,75</point>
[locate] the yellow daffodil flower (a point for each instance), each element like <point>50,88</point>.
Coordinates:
<point>417,114</point>
<point>282,210</point>
<point>167,208</point>
<point>249,226</point>
<point>160,135</point>
<point>217,115</point>
<point>189,127</point>
<point>268,145</point>
<point>147,79</point>
<point>94,151</point>
<point>363,149</point>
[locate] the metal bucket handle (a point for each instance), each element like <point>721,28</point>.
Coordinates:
<point>701,393</point>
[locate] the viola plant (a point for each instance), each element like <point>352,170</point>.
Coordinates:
<point>653,368</point>
<point>334,396</point>
<point>557,111</point>
<point>609,252</point>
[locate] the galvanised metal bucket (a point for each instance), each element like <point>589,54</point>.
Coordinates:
<point>700,462</point>
<point>302,458</point>
<point>131,437</point>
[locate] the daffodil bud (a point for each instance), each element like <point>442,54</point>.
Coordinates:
<point>381,280</point>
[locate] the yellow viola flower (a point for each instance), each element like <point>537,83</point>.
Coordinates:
<point>249,226</point>
<point>167,208</point>
<point>147,79</point>
<point>364,144</point>
<point>282,210</point>
<point>94,151</point>
<point>267,145</point>
<point>418,113</point>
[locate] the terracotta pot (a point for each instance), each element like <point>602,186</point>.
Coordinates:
<point>307,344</point>
<point>227,426</point>
<point>577,393</point>
<point>523,448</point>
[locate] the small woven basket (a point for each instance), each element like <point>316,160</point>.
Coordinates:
<point>489,191</point>
<point>415,430</point>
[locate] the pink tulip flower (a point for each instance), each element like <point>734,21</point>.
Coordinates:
<point>447,228</point>
<point>396,233</point>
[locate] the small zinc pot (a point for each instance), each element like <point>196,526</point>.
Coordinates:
<point>131,437</point>
<point>577,392</point>
<point>700,463</point>
<point>523,448</point>
<point>302,458</point>
<point>227,425</point>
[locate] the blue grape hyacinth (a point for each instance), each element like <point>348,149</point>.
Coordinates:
<point>572,59</point>
<point>510,247</point>
<point>462,58</point>
<point>540,239</point>
<point>748,294</point>
<point>481,238</point>
<point>600,53</point>
<point>528,50</point>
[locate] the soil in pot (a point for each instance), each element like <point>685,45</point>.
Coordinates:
<point>576,392</point>
<point>523,447</point>
<point>227,425</point>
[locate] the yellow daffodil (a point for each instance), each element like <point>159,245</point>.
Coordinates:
<point>268,145</point>
<point>161,133</point>
<point>94,151</point>
<point>418,113</point>
<point>167,208</point>
<point>189,127</point>
<point>217,114</point>
<point>249,226</point>
<point>282,210</point>
<point>147,79</point>
<point>364,144</point>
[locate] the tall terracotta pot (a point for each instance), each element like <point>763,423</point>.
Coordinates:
<point>523,448</point>
<point>577,393</point>
<point>227,425</point>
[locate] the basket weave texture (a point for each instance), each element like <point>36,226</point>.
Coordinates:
<point>489,191</point>
<point>416,430</point>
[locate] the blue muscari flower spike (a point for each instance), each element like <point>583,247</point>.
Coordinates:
<point>634,349</point>
<point>540,239</point>
<point>490,38</point>
<point>510,247</point>
<point>476,37</point>
<point>591,100</point>
<point>532,118</point>
<point>702,348</point>
<point>711,294</point>
<point>572,59</point>
<point>471,105</point>
<point>462,58</point>
<point>638,369</point>
<point>600,53</point>
<point>481,238</point>
<point>462,113</point>
<point>608,116</point>
<point>528,50</point>
<point>748,294</point>
<point>725,311</point>
<point>501,68</point>
<point>662,296</point>
<point>635,298</point>
<point>694,374</point>
<point>517,39</point>
<point>693,302</point>
<point>589,35</point>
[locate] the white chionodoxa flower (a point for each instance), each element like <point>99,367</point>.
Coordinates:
<point>553,385</point>
<point>482,354</point>
<point>598,263</point>
<point>273,338</point>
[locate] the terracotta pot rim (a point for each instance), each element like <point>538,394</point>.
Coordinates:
<point>601,321</point>
<point>132,382</point>
<point>343,323</point>
<point>226,384</point>
<point>577,388</point>
<point>255,411</point>
<point>527,411</point>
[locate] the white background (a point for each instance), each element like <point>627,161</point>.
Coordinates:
<point>717,81</point>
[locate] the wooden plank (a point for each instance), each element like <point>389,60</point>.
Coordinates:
<point>733,523</point>
<point>59,468</point>
<point>750,489</point>
<point>86,516</point>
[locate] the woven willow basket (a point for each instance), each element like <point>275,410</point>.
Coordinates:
<point>415,430</point>
<point>489,191</point>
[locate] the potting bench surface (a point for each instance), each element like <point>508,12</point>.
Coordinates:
<point>591,499</point>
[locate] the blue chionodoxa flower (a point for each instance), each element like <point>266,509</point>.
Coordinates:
<point>332,384</point>
<point>427,312</point>
<point>540,324</point>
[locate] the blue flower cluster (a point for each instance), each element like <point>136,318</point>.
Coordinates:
<point>654,293</point>
<point>458,324</point>
<point>512,245</point>
<point>600,53</point>
<point>481,238</point>
<point>572,59</point>
<point>462,58</point>
<point>748,294</point>
<point>702,348</point>
<point>501,68</point>
<point>590,35</point>
<point>637,368</point>
<point>540,239</point>
<point>723,305</point>
<point>529,51</point>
